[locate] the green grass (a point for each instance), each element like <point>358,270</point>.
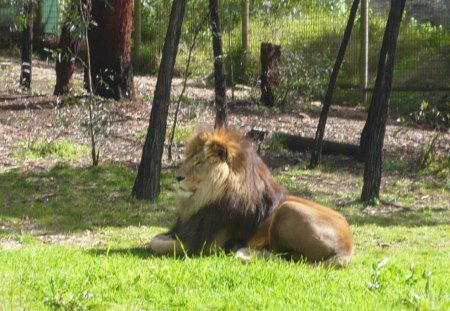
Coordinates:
<point>102,263</point>
<point>72,278</point>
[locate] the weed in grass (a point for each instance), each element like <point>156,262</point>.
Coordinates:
<point>59,299</point>
<point>439,167</point>
<point>394,165</point>
<point>382,278</point>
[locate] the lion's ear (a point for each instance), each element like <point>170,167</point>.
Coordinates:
<point>221,144</point>
<point>220,150</point>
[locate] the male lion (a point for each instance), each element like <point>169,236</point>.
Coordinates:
<point>228,199</point>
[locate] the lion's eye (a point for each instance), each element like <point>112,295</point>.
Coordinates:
<point>198,163</point>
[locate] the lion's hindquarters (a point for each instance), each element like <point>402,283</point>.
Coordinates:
<point>312,232</point>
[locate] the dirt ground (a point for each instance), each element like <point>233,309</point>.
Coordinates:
<point>25,118</point>
<point>28,117</point>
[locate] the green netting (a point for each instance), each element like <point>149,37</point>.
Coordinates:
<point>50,16</point>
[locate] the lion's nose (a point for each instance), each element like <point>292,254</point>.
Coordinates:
<point>179,178</point>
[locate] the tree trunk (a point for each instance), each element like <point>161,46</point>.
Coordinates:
<point>27,47</point>
<point>317,149</point>
<point>109,41</point>
<point>146,185</point>
<point>219,76</point>
<point>65,62</point>
<point>270,72</point>
<point>372,138</point>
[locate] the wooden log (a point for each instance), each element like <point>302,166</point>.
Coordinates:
<point>303,144</point>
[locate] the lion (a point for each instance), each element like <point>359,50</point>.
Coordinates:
<point>228,200</point>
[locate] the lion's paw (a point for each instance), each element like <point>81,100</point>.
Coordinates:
<point>247,255</point>
<point>161,243</point>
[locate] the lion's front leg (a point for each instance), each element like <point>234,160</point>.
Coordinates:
<point>165,245</point>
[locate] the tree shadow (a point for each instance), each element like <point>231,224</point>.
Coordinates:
<point>70,200</point>
<point>388,214</point>
<point>67,199</point>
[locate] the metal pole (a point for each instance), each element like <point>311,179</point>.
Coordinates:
<point>137,29</point>
<point>245,19</point>
<point>364,52</point>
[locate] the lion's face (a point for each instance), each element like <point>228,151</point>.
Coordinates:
<point>212,162</point>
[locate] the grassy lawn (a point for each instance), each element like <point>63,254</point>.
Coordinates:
<point>74,239</point>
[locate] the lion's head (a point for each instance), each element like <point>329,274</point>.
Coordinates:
<point>222,165</point>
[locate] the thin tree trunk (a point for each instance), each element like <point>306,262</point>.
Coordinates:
<point>180,97</point>
<point>65,62</point>
<point>219,76</point>
<point>27,47</point>
<point>147,183</point>
<point>372,138</point>
<point>317,149</point>
<point>86,16</point>
<point>110,41</point>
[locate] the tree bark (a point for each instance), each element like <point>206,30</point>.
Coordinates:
<point>317,149</point>
<point>219,76</point>
<point>65,62</point>
<point>27,47</point>
<point>270,72</point>
<point>147,183</point>
<point>110,44</point>
<point>372,138</point>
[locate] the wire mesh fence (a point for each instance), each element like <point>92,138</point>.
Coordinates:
<point>309,32</point>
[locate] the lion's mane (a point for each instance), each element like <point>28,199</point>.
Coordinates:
<point>239,195</point>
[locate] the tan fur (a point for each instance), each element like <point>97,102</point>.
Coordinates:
<point>221,167</point>
<point>310,231</point>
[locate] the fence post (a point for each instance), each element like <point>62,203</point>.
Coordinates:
<point>137,30</point>
<point>364,52</point>
<point>245,18</point>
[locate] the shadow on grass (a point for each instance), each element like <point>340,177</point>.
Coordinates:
<point>406,219</point>
<point>389,214</point>
<point>67,199</point>
<point>140,252</point>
